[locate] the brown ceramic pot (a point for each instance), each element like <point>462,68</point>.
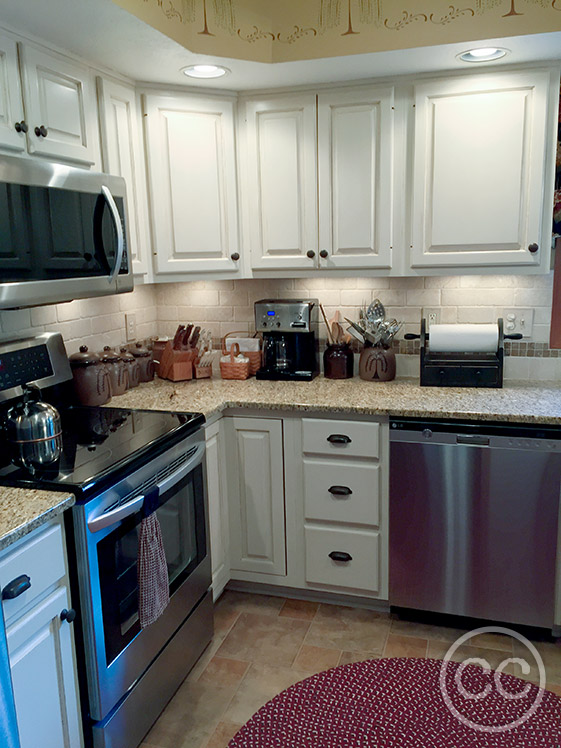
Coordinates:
<point>338,361</point>
<point>118,372</point>
<point>145,362</point>
<point>132,367</point>
<point>376,364</point>
<point>91,378</point>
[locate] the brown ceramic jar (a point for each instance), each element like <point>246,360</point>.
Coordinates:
<point>118,372</point>
<point>144,359</point>
<point>132,367</point>
<point>376,364</point>
<point>91,378</point>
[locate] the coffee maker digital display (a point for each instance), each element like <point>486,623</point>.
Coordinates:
<point>290,345</point>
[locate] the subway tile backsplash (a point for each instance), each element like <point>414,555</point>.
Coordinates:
<point>227,306</point>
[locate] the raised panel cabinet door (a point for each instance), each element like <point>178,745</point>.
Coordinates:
<point>217,508</point>
<point>281,182</point>
<point>478,182</point>
<point>59,97</point>
<point>355,160</point>
<point>11,102</point>
<point>123,155</point>
<point>40,648</point>
<point>256,495</point>
<point>192,168</point>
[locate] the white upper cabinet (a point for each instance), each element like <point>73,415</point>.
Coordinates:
<point>122,154</point>
<point>12,137</point>
<point>355,154</point>
<point>60,107</point>
<point>281,182</point>
<point>192,172</point>
<point>479,167</point>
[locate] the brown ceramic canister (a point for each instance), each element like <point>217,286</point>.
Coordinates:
<point>118,372</point>
<point>91,378</point>
<point>145,362</point>
<point>338,361</point>
<point>132,367</point>
<point>376,364</point>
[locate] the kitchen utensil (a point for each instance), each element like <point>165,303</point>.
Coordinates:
<point>338,333</point>
<point>376,312</point>
<point>35,431</point>
<point>185,338</point>
<point>91,378</point>
<point>195,337</point>
<point>178,337</point>
<point>329,335</point>
<point>373,340</point>
<point>356,335</point>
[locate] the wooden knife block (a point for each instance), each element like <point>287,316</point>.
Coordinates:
<point>177,366</point>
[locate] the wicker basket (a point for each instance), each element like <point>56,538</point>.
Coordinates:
<point>233,369</point>
<point>253,356</point>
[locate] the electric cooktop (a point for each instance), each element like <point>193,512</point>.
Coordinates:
<point>100,445</point>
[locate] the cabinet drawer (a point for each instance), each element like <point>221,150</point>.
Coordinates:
<point>348,438</point>
<point>41,558</point>
<point>339,492</point>
<point>361,572</point>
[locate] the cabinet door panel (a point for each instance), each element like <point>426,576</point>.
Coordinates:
<point>123,155</point>
<point>191,156</point>
<point>479,170</point>
<point>281,182</point>
<point>60,96</point>
<point>256,495</point>
<point>42,666</point>
<point>355,146</point>
<point>217,508</point>
<point>11,102</point>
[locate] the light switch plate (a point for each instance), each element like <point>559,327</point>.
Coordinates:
<point>130,326</point>
<point>519,320</point>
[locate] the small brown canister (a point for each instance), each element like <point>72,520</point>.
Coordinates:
<point>338,361</point>
<point>91,378</point>
<point>144,359</point>
<point>377,364</point>
<point>118,372</point>
<point>132,367</point>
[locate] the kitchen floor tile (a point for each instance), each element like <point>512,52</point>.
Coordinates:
<point>245,602</point>
<point>348,657</point>
<point>405,646</point>
<point>426,630</point>
<point>437,650</point>
<point>265,639</point>
<point>260,684</point>
<point>224,732</point>
<point>224,671</point>
<point>315,659</point>
<point>343,628</point>
<point>303,609</point>
<point>551,657</point>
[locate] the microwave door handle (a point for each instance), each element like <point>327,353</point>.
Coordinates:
<point>106,192</point>
<point>182,471</point>
<point>101,521</point>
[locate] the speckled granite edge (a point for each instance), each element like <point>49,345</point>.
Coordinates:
<point>24,509</point>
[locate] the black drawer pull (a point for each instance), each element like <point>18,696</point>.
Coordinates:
<point>339,439</point>
<point>340,556</point>
<point>68,615</point>
<point>340,490</point>
<point>16,587</point>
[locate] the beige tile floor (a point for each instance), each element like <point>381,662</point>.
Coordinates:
<point>263,645</point>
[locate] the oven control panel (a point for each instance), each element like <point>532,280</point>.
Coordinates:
<point>24,365</point>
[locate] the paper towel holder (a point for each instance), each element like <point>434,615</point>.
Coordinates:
<point>475,369</point>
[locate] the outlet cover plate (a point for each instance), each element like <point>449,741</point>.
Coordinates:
<point>432,316</point>
<point>519,320</point>
<point>130,327</point>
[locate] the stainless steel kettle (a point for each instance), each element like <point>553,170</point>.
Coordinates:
<point>35,431</point>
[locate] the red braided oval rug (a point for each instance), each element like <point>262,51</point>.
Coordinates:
<point>399,703</point>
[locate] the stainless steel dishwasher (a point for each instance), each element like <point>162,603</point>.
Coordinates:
<point>474,512</point>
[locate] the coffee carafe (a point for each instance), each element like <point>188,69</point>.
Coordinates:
<point>289,329</point>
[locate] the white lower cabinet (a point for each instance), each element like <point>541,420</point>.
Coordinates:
<point>40,642</point>
<point>359,551</point>
<point>217,507</point>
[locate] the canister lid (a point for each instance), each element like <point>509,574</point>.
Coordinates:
<point>83,357</point>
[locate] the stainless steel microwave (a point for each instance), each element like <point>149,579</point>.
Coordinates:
<point>63,234</point>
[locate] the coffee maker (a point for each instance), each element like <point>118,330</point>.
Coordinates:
<point>290,343</point>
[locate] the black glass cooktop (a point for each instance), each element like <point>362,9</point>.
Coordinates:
<point>99,444</point>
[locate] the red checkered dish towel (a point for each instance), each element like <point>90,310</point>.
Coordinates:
<point>153,580</point>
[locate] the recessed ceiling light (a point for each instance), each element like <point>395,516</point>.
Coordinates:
<point>205,71</point>
<point>482,54</point>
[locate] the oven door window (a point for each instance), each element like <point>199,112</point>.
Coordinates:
<point>181,517</point>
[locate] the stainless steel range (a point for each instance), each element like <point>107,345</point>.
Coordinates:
<point>111,459</point>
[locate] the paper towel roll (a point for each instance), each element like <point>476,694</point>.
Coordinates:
<point>463,338</point>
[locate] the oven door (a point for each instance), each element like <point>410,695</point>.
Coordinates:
<point>107,528</point>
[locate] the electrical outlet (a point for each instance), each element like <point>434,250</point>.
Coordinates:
<point>432,316</point>
<point>519,320</point>
<point>130,326</point>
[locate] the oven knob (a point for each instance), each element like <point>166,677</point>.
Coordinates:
<point>427,433</point>
<point>264,324</point>
<point>68,615</point>
<point>278,324</point>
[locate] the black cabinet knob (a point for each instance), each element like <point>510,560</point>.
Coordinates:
<point>16,587</point>
<point>340,556</point>
<point>533,248</point>
<point>311,254</point>
<point>339,439</point>
<point>235,256</point>
<point>68,615</point>
<point>21,126</point>
<point>41,132</point>
<point>324,253</point>
<point>340,491</point>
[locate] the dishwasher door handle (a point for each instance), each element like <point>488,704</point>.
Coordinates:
<point>474,439</point>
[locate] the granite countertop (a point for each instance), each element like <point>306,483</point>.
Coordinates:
<point>24,509</point>
<point>523,403</point>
